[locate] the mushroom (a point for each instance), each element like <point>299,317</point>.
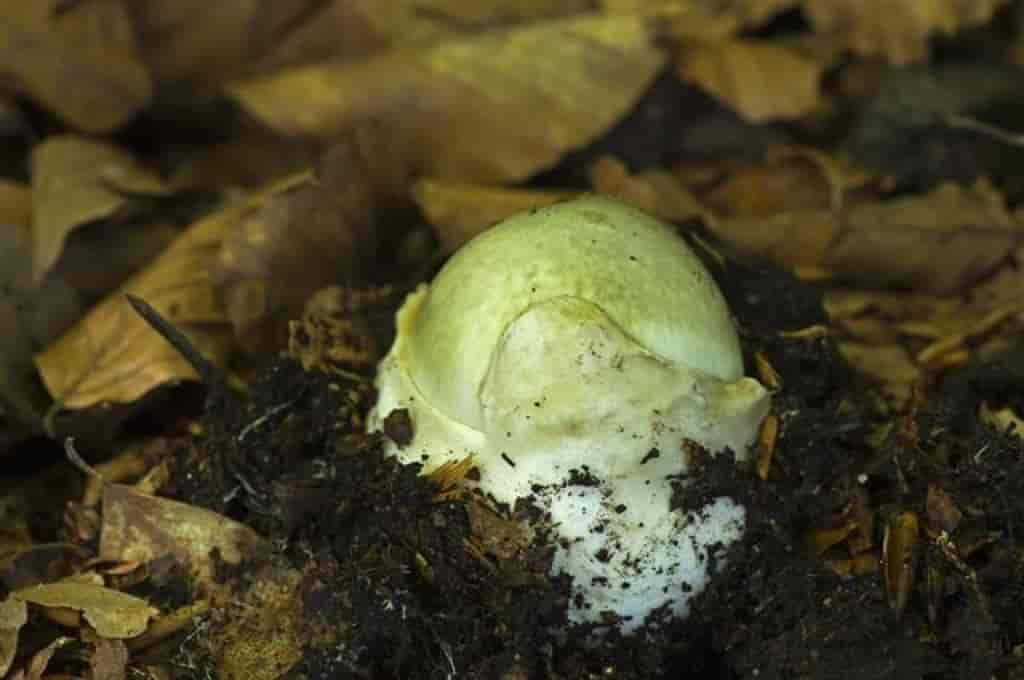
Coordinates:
<point>577,352</point>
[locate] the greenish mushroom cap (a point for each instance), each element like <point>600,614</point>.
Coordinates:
<point>630,265</point>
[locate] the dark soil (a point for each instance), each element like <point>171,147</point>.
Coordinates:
<point>389,589</point>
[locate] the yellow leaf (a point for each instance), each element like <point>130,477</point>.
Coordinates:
<point>113,355</point>
<point>561,82</point>
<point>76,181</point>
<point>761,81</point>
<point>112,613</point>
<point>897,30</point>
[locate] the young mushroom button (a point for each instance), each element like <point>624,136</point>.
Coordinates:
<point>572,350</point>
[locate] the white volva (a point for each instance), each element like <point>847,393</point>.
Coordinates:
<point>572,351</point>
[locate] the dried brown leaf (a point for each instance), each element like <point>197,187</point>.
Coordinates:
<point>112,613</point>
<point>795,238</point>
<point>309,232</point>
<point>76,181</point>
<point>760,80</point>
<point>142,528</point>
<point>942,241</point>
<point>450,104</point>
<point>897,30</point>
<point>112,355</point>
<point>890,365</point>
<point>458,211</point>
<point>657,192</point>
<point>80,63</point>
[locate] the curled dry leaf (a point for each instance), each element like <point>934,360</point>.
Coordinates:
<point>897,30</point>
<point>761,81</point>
<point>450,103</point>
<point>112,613</point>
<point>141,528</point>
<point>80,63</point>
<point>112,354</point>
<point>458,211</point>
<point>76,181</point>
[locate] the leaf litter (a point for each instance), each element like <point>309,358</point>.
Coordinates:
<point>272,180</point>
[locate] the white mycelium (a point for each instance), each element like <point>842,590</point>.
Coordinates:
<point>574,351</point>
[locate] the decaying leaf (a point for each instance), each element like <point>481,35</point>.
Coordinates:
<point>13,615</point>
<point>897,30</point>
<point>142,528</point>
<point>942,241</point>
<point>109,660</point>
<point>309,232</point>
<point>458,211</point>
<point>789,180</point>
<point>890,365</point>
<point>36,667</point>
<point>568,80</point>
<point>80,63</point>
<point>112,355</point>
<point>760,80</point>
<point>263,638</point>
<point>900,549</point>
<point>76,181</point>
<point>112,613</point>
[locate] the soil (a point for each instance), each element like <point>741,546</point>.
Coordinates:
<point>392,582</point>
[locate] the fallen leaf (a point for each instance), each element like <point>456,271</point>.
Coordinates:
<point>112,613</point>
<point>40,660</point>
<point>450,103</point>
<point>13,615</point>
<point>897,30</point>
<point>458,211</point>
<point>76,181</point>
<point>142,528</point>
<point>942,241</point>
<point>789,179</point>
<point>890,366</point>
<point>15,204</point>
<point>112,355</point>
<point>761,80</point>
<point>657,192</point>
<point>109,660</point>
<point>80,63</point>
<point>702,19</point>
<point>309,232</point>
<point>31,315</point>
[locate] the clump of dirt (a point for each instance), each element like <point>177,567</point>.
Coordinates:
<point>395,583</point>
